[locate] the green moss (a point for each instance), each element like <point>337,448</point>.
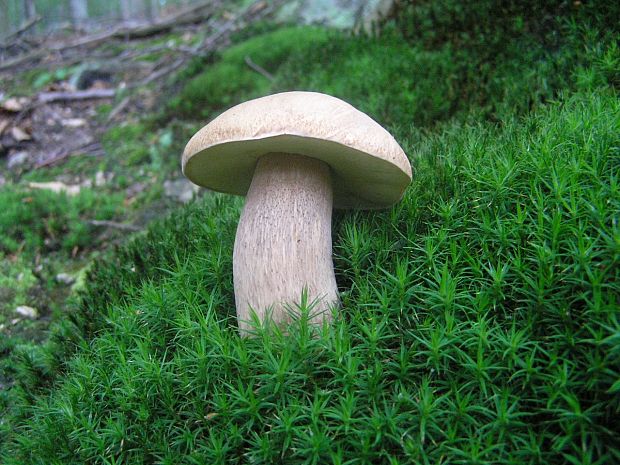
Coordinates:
<point>393,82</point>
<point>479,318</point>
<point>489,291</point>
<point>16,278</point>
<point>36,220</point>
<point>230,79</point>
<point>127,143</point>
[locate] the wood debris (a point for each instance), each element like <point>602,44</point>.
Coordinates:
<point>57,187</point>
<point>67,106</point>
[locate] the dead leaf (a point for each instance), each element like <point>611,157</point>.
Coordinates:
<point>14,104</point>
<point>19,134</point>
<point>3,124</point>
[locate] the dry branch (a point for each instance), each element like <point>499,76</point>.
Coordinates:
<point>114,224</point>
<point>31,56</point>
<point>258,68</point>
<point>23,28</point>
<point>118,109</point>
<point>90,147</point>
<point>48,97</point>
<point>217,39</point>
<point>190,15</point>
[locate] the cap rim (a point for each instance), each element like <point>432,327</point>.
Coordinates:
<point>228,167</point>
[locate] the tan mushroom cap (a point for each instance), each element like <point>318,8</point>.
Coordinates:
<point>369,169</point>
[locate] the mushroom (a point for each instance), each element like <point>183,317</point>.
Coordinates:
<point>295,155</point>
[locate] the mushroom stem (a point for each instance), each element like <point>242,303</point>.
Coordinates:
<point>283,243</point>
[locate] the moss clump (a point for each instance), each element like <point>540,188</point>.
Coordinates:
<point>231,80</point>
<point>39,219</point>
<point>128,142</point>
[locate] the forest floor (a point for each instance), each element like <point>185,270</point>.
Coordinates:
<point>81,166</point>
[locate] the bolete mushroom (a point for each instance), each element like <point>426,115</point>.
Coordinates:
<point>295,155</point>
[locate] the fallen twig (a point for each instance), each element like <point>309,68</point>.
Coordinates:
<point>90,147</point>
<point>114,224</point>
<point>31,56</point>
<point>19,31</point>
<point>162,72</point>
<point>191,14</point>
<point>259,69</point>
<point>47,97</point>
<point>217,39</point>
<point>118,109</point>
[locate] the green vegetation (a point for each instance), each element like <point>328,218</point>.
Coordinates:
<point>42,219</point>
<point>479,319</point>
<point>231,80</point>
<point>42,233</point>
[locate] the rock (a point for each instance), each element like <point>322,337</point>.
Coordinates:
<point>2,180</point>
<point>102,178</point>
<point>19,134</point>
<point>343,14</point>
<point>27,312</point>
<point>180,189</point>
<point>4,123</point>
<point>17,159</point>
<point>65,278</point>
<point>14,104</point>
<point>73,122</point>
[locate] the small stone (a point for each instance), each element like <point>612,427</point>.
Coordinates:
<point>19,134</point>
<point>12,104</point>
<point>180,189</point>
<point>65,278</point>
<point>101,178</point>
<point>135,189</point>
<point>27,312</point>
<point>17,159</point>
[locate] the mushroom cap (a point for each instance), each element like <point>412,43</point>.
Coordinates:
<point>369,169</point>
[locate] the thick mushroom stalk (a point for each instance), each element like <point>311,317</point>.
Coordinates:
<point>283,244</point>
